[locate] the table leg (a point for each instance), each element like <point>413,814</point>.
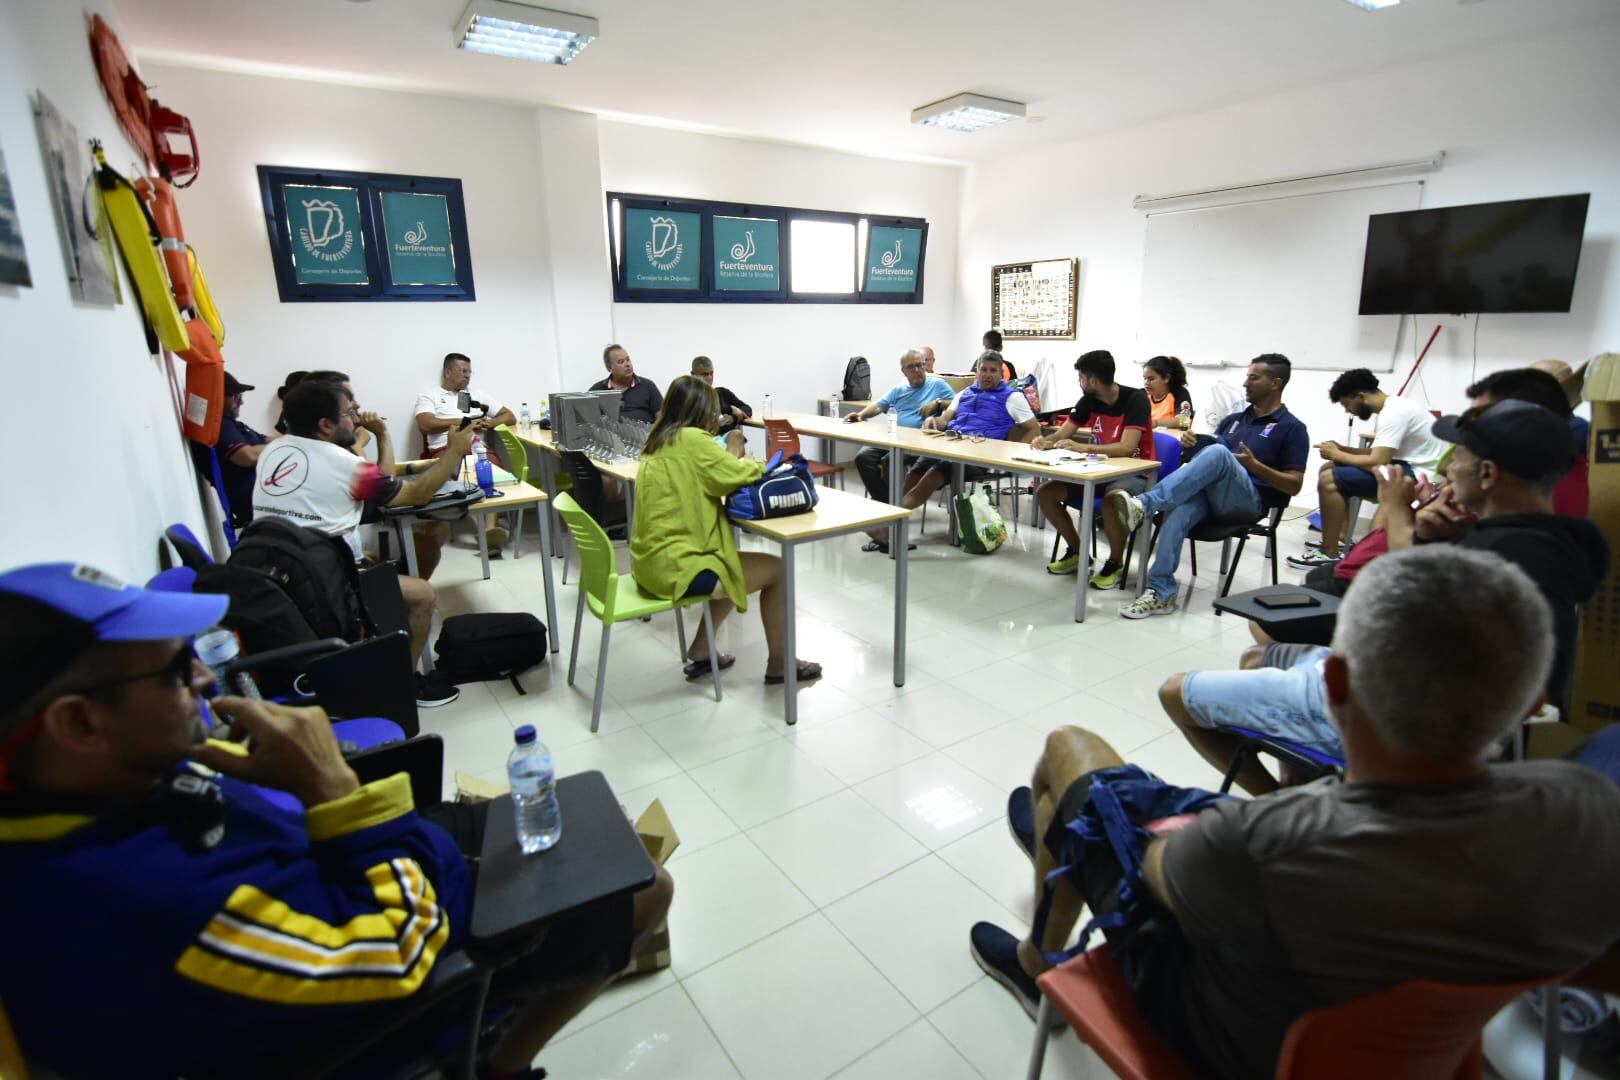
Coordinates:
<point>1083,580</point>
<point>900,577</point>
<point>790,643</point>
<point>896,464</point>
<point>548,481</point>
<point>1144,542</point>
<point>629,509</point>
<point>479,521</point>
<point>407,540</point>
<point>545,573</point>
<point>958,471</point>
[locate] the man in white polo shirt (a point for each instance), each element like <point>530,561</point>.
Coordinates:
<point>439,411</point>
<point>1401,433</point>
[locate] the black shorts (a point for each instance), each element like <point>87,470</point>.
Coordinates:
<point>971,474</point>
<point>584,947</point>
<point>1150,952</point>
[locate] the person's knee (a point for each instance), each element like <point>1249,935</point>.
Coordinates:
<point>436,533</point>
<point>1170,698</point>
<point>1324,481</point>
<point>653,902</point>
<point>418,593</point>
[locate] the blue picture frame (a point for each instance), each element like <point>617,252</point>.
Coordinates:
<point>368,233</point>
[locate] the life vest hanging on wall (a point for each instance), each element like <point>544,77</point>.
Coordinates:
<point>138,239</point>
<point>125,90</point>
<point>205,385</point>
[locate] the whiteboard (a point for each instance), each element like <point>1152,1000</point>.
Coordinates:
<point>1222,284</point>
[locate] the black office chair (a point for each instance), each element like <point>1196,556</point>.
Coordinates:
<point>1224,532</point>
<point>591,495</point>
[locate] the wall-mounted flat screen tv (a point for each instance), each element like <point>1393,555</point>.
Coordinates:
<point>1487,257</point>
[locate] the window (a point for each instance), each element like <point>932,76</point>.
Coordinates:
<point>823,256</point>
<point>698,251</point>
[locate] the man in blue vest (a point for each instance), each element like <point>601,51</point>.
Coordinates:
<point>991,408</point>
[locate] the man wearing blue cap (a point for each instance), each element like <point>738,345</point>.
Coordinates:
<point>176,915</point>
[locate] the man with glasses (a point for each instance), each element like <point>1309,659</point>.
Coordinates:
<point>181,918</point>
<point>907,399</point>
<point>311,478</point>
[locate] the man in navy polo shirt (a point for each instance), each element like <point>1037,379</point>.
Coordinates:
<point>239,447</point>
<point>1255,461</point>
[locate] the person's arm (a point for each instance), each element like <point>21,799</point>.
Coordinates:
<point>866,413</point>
<point>1024,431</point>
<point>1061,439</point>
<point>739,406</point>
<point>428,424</point>
<point>1396,493</point>
<point>1129,439</point>
<point>938,406</point>
<point>420,488</point>
<point>1369,459</point>
<point>1289,482</point>
<point>721,472</point>
<point>943,420</point>
<point>246,456</point>
<point>1135,425</point>
<point>1153,872</point>
<point>503,415</point>
<point>376,425</point>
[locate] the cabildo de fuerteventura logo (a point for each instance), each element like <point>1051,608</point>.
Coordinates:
<point>416,235</point>
<point>664,248</point>
<point>415,242</point>
<point>323,234</point>
<point>892,257</point>
<point>742,256</point>
<point>891,264</point>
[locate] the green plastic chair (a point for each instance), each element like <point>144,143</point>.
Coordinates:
<point>614,598</point>
<point>515,457</point>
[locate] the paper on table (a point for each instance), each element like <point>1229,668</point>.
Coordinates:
<point>1048,457</point>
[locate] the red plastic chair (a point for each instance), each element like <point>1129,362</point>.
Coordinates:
<point>779,435</point>
<point>1415,1031</point>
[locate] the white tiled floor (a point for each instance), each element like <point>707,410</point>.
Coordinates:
<point>828,874</point>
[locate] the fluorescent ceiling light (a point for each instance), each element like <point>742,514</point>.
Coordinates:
<point>523,31</point>
<point>1372,5</point>
<point>967,112</point>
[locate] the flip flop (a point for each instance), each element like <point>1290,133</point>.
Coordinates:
<point>883,546</point>
<point>699,669</point>
<point>806,670</point>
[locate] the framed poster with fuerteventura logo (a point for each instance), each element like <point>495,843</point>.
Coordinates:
<point>339,235</point>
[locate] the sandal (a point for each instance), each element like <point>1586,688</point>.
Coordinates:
<point>883,546</point>
<point>699,669</point>
<point>806,671</point>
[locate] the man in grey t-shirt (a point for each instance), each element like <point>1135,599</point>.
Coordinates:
<point>1422,863</point>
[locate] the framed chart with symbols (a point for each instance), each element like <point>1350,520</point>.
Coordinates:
<point>1035,300</point>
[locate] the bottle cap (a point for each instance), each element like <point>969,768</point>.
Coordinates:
<point>524,735</point>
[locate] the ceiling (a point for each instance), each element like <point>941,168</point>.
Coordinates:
<point>847,73</point>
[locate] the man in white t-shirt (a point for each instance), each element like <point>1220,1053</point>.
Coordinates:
<point>312,477</point>
<point>438,412</point>
<point>1401,434</point>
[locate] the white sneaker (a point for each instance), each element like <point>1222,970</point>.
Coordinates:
<point>1128,505</point>
<point>1148,605</point>
<point>1312,557</point>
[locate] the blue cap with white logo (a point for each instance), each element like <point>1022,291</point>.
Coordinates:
<point>50,613</point>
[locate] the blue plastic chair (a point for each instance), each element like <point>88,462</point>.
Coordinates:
<point>1311,762</point>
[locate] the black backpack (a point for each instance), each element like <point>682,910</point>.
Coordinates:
<point>316,571</point>
<point>261,614</point>
<point>472,648</point>
<point>857,379</point>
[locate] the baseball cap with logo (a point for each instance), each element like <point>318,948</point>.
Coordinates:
<point>51,613</point>
<point>1522,438</point>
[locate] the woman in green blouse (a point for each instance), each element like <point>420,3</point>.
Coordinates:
<point>681,544</point>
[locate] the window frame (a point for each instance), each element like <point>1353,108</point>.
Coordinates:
<point>707,293</point>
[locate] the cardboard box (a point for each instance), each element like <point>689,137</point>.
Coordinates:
<point>659,838</point>
<point>1595,696</point>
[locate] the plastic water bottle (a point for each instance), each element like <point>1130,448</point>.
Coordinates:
<point>484,471</point>
<point>768,414</point>
<point>1184,416</point>
<point>524,418</point>
<point>533,777</point>
<point>894,423</point>
<point>837,405</point>
<point>217,648</point>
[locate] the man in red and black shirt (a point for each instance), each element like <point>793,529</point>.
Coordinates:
<point>1114,420</point>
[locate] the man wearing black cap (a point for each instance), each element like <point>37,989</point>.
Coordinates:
<point>1505,464</point>
<point>239,447</point>
<point>174,922</point>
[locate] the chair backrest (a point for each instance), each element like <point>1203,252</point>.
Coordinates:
<point>1167,448</point>
<point>372,678</point>
<point>1091,993</point>
<point>382,598</point>
<point>779,435</point>
<point>585,483</point>
<point>1418,1030</point>
<point>513,454</point>
<point>596,564</point>
<point>186,546</point>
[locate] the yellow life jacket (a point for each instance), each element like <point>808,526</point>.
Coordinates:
<point>204,298</point>
<point>138,241</point>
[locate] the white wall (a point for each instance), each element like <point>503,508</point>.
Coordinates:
<point>392,350</point>
<point>797,351</point>
<point>1531,119</point>
<point>98,466</point>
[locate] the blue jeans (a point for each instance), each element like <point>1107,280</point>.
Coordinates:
<point>1212,485</point>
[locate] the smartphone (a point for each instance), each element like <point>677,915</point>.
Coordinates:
<point>1283,601</point>
<point>464,402</point>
